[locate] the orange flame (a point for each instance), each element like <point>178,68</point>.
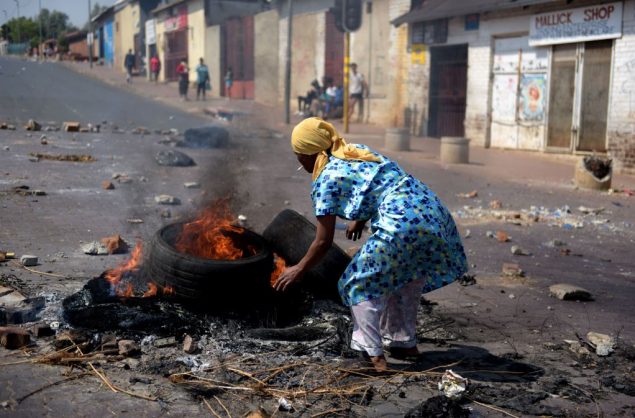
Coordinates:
<point>277,271</point>
<point>152,290</point>
<point>114,276</point>
<point>205,237</point>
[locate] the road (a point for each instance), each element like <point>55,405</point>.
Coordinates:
<point>499,314</point>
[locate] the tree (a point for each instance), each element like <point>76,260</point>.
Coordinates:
<point>97,9</point>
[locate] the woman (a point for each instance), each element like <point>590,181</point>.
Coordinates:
<point>414,246</point>
<point>229,82</point>
<point>184,78</point>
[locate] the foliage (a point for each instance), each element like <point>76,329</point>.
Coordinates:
<point>53,24</point>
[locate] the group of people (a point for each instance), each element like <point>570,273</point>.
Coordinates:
<point>327,100</point>
<point>202,79</point>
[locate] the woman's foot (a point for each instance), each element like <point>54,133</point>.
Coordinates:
<point>379,363</point>
<point>405,353</point>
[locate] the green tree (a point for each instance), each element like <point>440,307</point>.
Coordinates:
<point>97,9</point>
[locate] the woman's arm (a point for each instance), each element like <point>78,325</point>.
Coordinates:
<point>320,245</point>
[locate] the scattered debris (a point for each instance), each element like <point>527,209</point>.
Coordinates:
<point>115,244</point>
<point>452,385</point>
<point>565,291</point>
<point>467,280</point>
<point>29,260</point>
<point>284,405</point>
<point>489,234</point>
<point>165,342</point>
<point>468,233</point>
<point>512,270</point>
<point>13,338</point>
<point>592,211</point>
<point>43,140</point>
<point>94,248</point>
<point>166,214</point>
<point>191,185</point>
<point>42,330</point>
<point>26,191</point>
<point>495,204</point>
<point>554,243</point>
<point>64,157</point>
<point>128,348</point>
<point>604,344</point>
<point>173,158</point>
<point>141,130</point>
<point>206,137</point>
<point>165,199</point>
<point>502,236</point>
<point>32,125</point>
<point>190,345</point>
<point>470,195</point>
<point>107,185</point>
<point>71,126</point>
<point>516,250</point>
<point>134,221</point>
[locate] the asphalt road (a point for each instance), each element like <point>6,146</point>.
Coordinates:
<point>260,172</point>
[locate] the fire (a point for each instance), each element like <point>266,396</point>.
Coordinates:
<point>114,276</point>
<point>205,237</point>
<point>277,271</point>
<point>152,290</point>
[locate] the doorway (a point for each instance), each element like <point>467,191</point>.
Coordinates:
<point>448,91</point>
<point>334,55</point>
<point>175,52</point>
<point>578,101</point>
<point>237,53</point>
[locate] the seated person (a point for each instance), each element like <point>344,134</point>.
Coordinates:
<point>304,102</point>
<point>334,107</point>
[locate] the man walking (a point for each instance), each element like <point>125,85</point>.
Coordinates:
<point>129,64</point>
<point>202,79</point>
<point>357,89</point>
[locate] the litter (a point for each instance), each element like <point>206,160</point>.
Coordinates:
<point>452,384</point>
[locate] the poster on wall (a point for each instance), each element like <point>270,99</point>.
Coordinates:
<point>531,102</point>
<point>504,98</point>
<point>509,52</point>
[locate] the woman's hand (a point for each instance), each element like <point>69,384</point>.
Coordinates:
<point>354,230</point>
<point>289,276</point>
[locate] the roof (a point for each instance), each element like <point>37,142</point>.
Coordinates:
<point>78,35</point>
<point>104,13</point>
<point>441,9</point>
<point>167,6</point>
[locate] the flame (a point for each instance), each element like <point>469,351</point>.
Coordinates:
<point>152,290</point>
<point>168,290</point>
<point>206,236</point>
<point>114,276</point>
<point>280,265</point>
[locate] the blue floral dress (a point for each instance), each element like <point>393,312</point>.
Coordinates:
<point>413,236</point>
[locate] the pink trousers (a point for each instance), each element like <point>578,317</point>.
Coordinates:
<point>389,321</point>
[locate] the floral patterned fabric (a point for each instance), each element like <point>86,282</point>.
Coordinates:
<point>413,235</point>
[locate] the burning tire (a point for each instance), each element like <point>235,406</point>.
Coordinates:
<point>219,282</point>
<point>290,235</point>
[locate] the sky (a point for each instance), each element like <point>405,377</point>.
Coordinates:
<point>77,10</point>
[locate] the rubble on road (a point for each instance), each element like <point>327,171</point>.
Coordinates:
<point>206,137</point>
<point>467,280</point>
<point>32,125</point>
<point>28,260</point>
<point>604,344</point>
<point>191,185</point>
<point>134,221</point>
<point>71,126</point>
<point>115,244</point>
<point>190,345</point>
<point>26,191</point>
<point>512,270</point>
<point>7,126</point>
<point>173,158</point>
<point>63,157</point>
<point>469,195</point>
<point>13,338</point>
<point>516,250</point>
<point>495,204</point>
<point>501,236</point>
<point>452,384</point>
<point>141,130</point>
<point>565,291</point>
<point>94,248</point>
<point>128,348</point>
<point>165,199</point>
<point>107,185</point>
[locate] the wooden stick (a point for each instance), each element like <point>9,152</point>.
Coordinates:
<point>211,409</point>
<point>223,406</point>
<point>40,272</point>
<point>494,408</point>
<point>240,372</point>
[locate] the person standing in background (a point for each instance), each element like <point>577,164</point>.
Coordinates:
<point>357,89</point>
<point>155,67</point>
<point>129,62</point>
<point>229,82</point>
<point>202,79</point>
<point>184,78</point>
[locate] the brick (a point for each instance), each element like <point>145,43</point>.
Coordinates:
<point>42,330</point>
<point>128,348</point>
<point>190,345</point>
<point>28,260</point>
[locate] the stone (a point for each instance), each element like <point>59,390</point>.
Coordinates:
<point>604,344</point>
<point>565,291</point>
<point>134,221</point>
<point>32,125</point>
<point>13,338</point>
<point>593,173</point>
<point>495,204</point>
<point>502,236</point>
<point>107,185</point>
<point>166,214</point>
<point>115,244</point>
<point>173,158</point>
<point>43,140</point>
<point>191,185</point>
<point>165,199</point>
<point>555,243</point>
<point>42,330</point>
<point>516,250</point>
<point>469,195</point>
<point>206,137</point>
<point>94,248</point>
<point>109,342</point>
<point>190,345</point>
<point>489,234</point>
<point>28,260</point>
<point>165,342</point>
<point>128,348</point>
<point>71,126</point>
<point>512,270</point>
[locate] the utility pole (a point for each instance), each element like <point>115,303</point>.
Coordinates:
<point>287,72</point>
<point>39,22</point>
<point>347,59</point>
<point>18,21</point>
<point>89,40</point>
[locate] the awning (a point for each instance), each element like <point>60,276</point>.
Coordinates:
<point>442,9</point>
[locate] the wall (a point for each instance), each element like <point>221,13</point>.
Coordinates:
<point>213,58</point>
<point>196,35</point>
<point>126,26</point>
<point>266,57</point>
<point>160,33</point>
<point>621,123</point>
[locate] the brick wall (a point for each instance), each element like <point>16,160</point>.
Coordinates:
<point>621,120</point>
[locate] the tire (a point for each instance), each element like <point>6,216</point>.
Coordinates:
<point>218,283</point>
<point>290,235</point>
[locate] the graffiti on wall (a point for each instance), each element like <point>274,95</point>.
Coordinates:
<point>531,102</point>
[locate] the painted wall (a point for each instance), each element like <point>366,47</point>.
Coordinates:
<point>213,58</point>
<point>127,21</point>
<point>196,35</point>
<point>266,57</point>
<point>621,122</point>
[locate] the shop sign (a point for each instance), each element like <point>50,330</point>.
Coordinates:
<point>583,24</point>
<point>151,32</point>
<point>176,22</point>
<point>418,54</point>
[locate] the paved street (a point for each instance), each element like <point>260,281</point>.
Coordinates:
<point>501,315</point>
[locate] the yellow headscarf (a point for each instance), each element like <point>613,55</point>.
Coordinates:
<point>316,136</point>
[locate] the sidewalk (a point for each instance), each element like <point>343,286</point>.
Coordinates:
<point>513,165</point>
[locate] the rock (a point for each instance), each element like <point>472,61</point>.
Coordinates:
<point>489,234</point>
<point>141,130</point>
<point>470,195</point>
<point>32,125</point>
<point>173,158</point>
<point>189,345</point>
<point>166,214</point>
<point>593,211</point>
<point>115,244</point>
<point>42,330</point>
<point>94,248</point>
<point>165,199</point>
<point>206,137</point>
<point>512,270</point>
<point>565,291</point>
<point>13,338</point>
<point>467,280</point>
<point>43,140</point>
<point>502,236</point>
<point>495,204</point>
<point>28,260</point>
<point>516,250</point>
<point>604,344</point>
<point>468,233</point>
<point>107,185</point>
<point>109,342</point>
<point>6,148</point>
<point>128,348</point>
<point>165,342</point>
<point>555,243</point>
<point>134,221</point>
<point>71,126</point>
<point>191,185</point>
